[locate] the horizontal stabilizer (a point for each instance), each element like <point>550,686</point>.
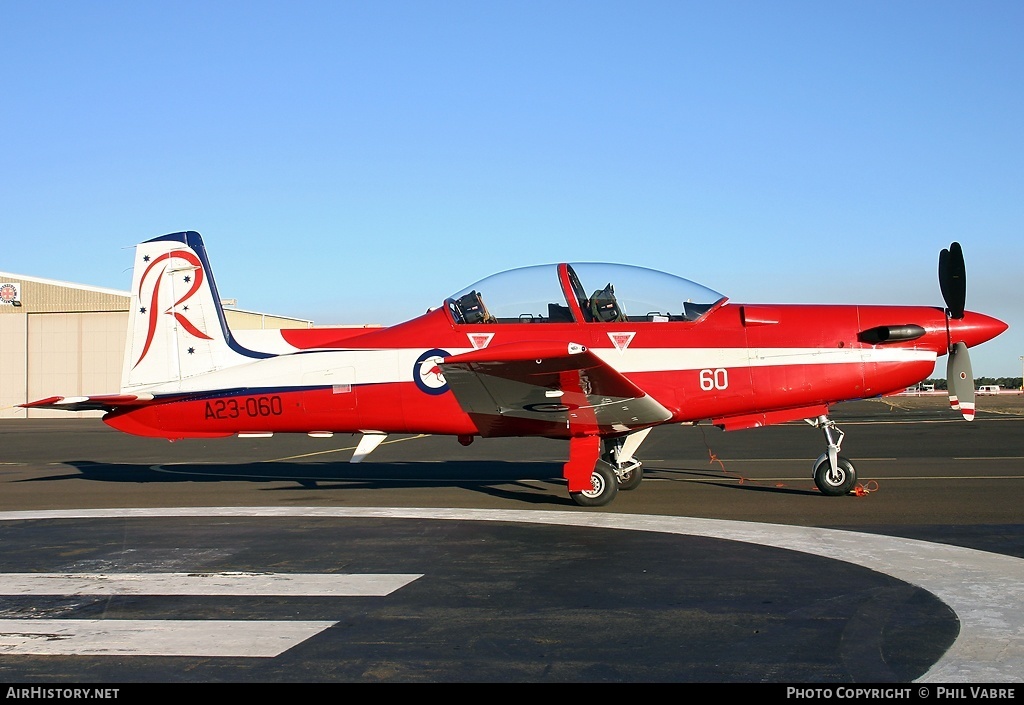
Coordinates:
<point>102,402</point>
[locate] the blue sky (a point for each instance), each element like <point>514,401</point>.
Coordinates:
<point>356,162</point>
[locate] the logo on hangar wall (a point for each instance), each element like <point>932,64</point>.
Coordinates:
<point>9,293</point>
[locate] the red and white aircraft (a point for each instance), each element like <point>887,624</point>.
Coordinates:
<point>596,354</point>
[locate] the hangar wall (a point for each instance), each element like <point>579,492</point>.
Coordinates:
<point>65,339</point>
<point>13,362</point>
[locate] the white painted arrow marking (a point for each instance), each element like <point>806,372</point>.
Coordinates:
<point>156,637</point>
<point>302,584</point>
<point>153,637</point>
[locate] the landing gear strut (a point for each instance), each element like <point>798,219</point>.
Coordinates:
<point>833,474</point>
<point>618,453</point>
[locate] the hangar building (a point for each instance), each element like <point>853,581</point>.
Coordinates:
<point>59,338</point>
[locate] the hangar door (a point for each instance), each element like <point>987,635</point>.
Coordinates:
<point>73,354</point>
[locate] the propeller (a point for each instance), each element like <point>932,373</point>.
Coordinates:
<point>953,284</point>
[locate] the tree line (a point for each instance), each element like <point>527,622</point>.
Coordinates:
<point>1003,382</point>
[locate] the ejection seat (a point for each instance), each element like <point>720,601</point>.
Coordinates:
<point>471,309</point>
<point>605,307</point>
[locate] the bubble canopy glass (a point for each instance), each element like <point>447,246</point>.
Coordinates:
<point>536,295</point>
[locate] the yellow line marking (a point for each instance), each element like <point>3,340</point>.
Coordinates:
<point>341,450</point>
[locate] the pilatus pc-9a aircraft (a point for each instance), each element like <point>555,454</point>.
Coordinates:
<point>595,354</point>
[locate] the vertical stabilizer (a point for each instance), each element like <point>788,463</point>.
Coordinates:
<point>176,326</point>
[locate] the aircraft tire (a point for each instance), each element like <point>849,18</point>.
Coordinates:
<point>631,480</point>
<point>843,481</point>
<point>604,488</point>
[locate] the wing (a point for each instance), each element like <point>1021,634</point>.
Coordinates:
<point>550,389</point>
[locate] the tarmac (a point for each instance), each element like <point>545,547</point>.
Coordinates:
<point>130,560</point>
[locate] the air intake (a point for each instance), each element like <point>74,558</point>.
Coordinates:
<point>890,334</point>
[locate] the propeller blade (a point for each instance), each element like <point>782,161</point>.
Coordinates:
<point>944,275</point>
<point>953,279</point>
<point>960,380</point>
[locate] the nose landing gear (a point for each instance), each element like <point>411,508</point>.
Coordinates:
<point>833,474</point>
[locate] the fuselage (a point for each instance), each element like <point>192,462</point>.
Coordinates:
<point>736,361</point>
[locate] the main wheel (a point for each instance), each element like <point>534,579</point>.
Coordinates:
<point>604,487</point>
<point>834,482</point>
<point>630,479</point>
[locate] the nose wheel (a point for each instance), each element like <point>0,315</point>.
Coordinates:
<point>834,480</point>
<point>834,475</point>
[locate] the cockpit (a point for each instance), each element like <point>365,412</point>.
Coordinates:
<point>558,293</point>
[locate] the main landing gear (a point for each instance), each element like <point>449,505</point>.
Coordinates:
<point>618,453</point>
<point>602,490</point>
<point>833,474</point>
<point>615,469</point>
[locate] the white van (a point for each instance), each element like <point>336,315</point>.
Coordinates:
<point>988,389</point>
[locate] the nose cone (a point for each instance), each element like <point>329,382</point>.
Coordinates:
<point>975,328</point>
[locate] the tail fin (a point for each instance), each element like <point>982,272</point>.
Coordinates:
<point>176,326</point>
